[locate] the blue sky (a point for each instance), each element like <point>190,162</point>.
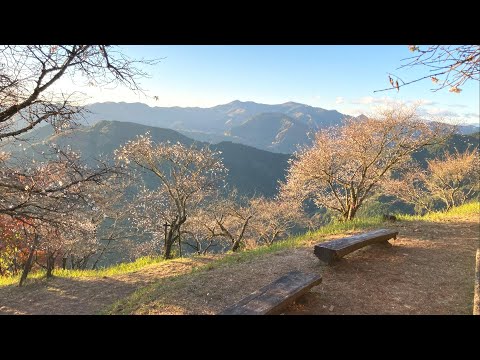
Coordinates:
<point>332,77</point>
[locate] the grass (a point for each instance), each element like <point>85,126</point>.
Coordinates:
<point>230,258</point>
<point>150,292</point>
<point>468,209</point>
<point>119,269</point>
<point>122,268</point>
<point>301,240</point>
<point>14,280</point>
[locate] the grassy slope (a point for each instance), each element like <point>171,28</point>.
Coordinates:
<point>119,269</point>
<point>125,268</point>
<point>472,208</point>
<point>141,297</point>
<point>146,294</point>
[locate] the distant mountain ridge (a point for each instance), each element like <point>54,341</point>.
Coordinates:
<point>273,131</point>
<point>278,128</point>
<point>236,121</point>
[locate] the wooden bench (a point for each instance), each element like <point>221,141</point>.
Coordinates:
<point>330,251</point>
<point>272,298</point>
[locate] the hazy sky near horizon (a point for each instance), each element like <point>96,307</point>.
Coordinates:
<point>331,77</point>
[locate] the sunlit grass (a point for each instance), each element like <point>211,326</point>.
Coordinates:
<point>13,280</point>
<point>122,268</point>
<point>468,209</point>
<point>292,242</point>
<point>301,240</point>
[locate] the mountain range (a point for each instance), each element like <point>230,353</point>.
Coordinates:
<point>277,128</point>
<point>252,171</point>
<point>256,140</point>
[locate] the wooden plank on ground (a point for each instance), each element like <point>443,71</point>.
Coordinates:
<point>274,297</point>
<point>329,251</point>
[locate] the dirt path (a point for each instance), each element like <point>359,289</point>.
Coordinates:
<point>429,270</point>
<point>85,295</point>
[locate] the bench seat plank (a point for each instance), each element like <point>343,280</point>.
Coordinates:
<point>331,250</point>
<point>275,296</point>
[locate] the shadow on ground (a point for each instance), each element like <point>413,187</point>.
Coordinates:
<point>86,295</point>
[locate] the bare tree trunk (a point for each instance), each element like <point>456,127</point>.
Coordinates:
<point>15,265</point>
<point>179,243</point>
<point>236,245</point>
<point>452,198</point>
<point>170,238</point>
<point>207,247</point>
<point>84,262</point>
<point>237,242</point>
<point>28,264</point>
<point>350,214</point>
<point>64,263</point>
<point>50,264</point>
<point>94,266</point>
<point>167,253</point>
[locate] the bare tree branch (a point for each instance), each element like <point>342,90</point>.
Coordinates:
<point>450,66</point>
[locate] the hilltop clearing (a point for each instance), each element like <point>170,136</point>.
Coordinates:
<point>429,270</point>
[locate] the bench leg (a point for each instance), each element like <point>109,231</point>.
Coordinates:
<point>326,256</point>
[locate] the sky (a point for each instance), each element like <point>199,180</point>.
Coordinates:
<point>331,77</point>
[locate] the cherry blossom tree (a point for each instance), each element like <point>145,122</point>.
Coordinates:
<point>275,218</point>
<point>346,165</point>
<point>451,179</point>
<point>116,233</point>
<point>228,217</point>
<point>409,186</point>
<point>231,221</point>
<point>200,232</point>
<point>186,176</point>
<point>13,250</point>
<point>52,198</point>
<point>454,179</point>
